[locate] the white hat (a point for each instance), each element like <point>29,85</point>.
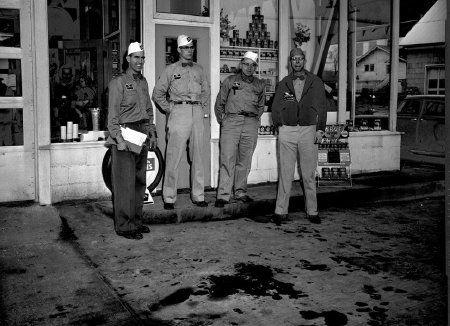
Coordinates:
<point>183,40</point>
<point>135,47</point>
<point>251,55</point>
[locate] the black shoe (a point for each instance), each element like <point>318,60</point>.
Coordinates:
<point>169,206</point>
<point>143,229</point>
<point>279,219</point>
<point>245,199</point>
<point>221,202</point>
<point>200,203</point>
<point>262,218</point>
<point>314,219</point>
<point>135,235</point>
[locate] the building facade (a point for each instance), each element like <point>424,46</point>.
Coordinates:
<point>50,47</point>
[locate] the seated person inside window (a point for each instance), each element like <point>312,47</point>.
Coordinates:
<point>63,106</point>
<point>84,99</point>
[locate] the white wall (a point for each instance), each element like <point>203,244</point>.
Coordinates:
<point>76,171</point>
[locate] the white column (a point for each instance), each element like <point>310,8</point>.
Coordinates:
<point>42,100</point>
<point>343,54</point>
<point>283,37</point>
<point>395,31</point>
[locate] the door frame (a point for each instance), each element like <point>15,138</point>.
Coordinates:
<point>148,39</point>
<point>200,34</point>
<point>19,171</point>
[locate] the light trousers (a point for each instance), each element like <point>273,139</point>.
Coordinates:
<point>238,138</point>
<point>297,142</point>
<point>185,124</point>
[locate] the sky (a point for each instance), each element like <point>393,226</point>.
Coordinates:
<point>411,11</point>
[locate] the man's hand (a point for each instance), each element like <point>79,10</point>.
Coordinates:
<point>122,146</point>
<point>319,136</point>
<point>152,140</point>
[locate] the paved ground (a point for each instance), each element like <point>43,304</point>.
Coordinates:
<point>373,263</point>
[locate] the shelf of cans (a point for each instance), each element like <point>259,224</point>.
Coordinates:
<point>267,130</point>
<point>237,52</point>
<point>333,165</point>
<point>257,35</point>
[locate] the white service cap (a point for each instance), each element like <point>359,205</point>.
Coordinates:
<point>135,47</point>
<point>183,40</point>
<point>251,55</point>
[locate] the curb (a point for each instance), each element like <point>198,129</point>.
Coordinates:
<point>351,196</point>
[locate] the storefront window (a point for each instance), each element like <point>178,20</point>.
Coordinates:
<point>185,7</point>
<point>87,44</point>
<point>10,78</point>
<point>313,26</point>
<point>11,127</point>
<point>369,57</point>
<point>10,28</point>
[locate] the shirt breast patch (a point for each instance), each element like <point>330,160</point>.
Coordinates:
<point>129,86</point>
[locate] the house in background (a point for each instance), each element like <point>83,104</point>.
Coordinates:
<point>373,69</point>
<point>425,51</point>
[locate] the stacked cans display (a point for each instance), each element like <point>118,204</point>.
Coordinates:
<point>257,35</point>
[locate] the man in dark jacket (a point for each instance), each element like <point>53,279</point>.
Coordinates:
<point>299,110</point>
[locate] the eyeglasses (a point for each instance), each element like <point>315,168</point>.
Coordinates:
<point>297,59</point>
<point>247,64</point>
<point>191,47</point>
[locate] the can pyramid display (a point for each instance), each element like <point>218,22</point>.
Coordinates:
<point>257,35</point>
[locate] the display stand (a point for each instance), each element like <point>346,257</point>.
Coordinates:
<point>333,166</point>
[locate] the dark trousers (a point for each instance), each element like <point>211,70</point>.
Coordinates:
<point>128,187</point>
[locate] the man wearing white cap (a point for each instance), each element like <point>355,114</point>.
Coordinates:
<point>129,106</point>
<point>239,106</point>
<point>182,92</point>
<point>299,109</point>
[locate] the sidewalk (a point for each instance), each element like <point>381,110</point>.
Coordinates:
<point>63,265</point>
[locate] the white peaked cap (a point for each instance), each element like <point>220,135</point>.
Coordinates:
<point>183,40</point>
<point>251,55</point>
<point>135,47</point>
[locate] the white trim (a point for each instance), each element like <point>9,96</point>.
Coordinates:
<point>395,65</point>
<point>42,102</point>
<point>180,23</point>
<point>11,102</point>
<point>11,53</point>
<point>343,55</point>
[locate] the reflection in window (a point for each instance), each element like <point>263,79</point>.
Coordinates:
<point>369,36</point>
<point>185,7</point>
<point>436,81</point>
<point>10,77</point>
<point>11,127</point>
<point>9,28</point>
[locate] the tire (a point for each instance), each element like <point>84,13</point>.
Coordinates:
<point>155,169</point>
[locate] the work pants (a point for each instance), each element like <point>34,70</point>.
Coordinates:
<point>238,139</point>
<point>185,123</point>
<point>293,142</point>
<point>128,187</point>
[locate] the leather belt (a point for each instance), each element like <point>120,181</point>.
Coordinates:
<point>248,114</point>
<point>186,102</point>
<point>136,123</point>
